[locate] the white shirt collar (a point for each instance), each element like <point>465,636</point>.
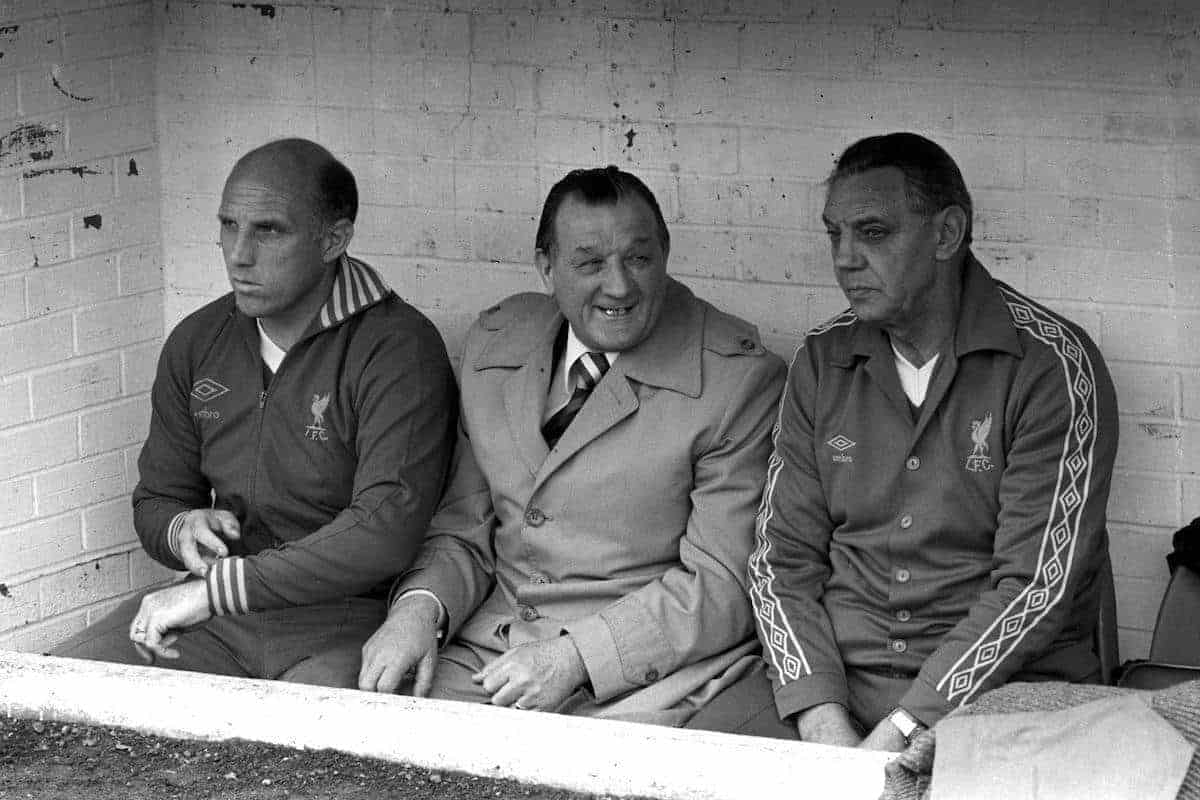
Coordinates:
<point>915,380</point>
<point>271,353</point>
<point>573,351</point>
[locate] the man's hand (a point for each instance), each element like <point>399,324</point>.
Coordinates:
<point>538,675</point>
<point>163,614</point>
<point>828,723</point>
<point>406,640</point>
<point>201,538</point>
<point>886,737</point>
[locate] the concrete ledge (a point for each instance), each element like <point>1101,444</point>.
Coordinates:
<point>580,754</point>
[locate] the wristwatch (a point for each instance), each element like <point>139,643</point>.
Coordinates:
<point>908,725</point>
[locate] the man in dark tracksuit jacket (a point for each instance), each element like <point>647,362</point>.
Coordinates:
<point>933,522</point>
<point>301,431</point>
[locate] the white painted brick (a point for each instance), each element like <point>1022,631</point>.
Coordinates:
<point>72,285</point>
<point>137,175</point>
<point>703,252</point>
<point>59,87</point>
<point>510,189</point>
<point>503,86</point>
<point>1135,223</point>
<point>341,130</point>
<point>198,269</point>
<point>679,148</point>
<point>133,78</point>
<point>145,571</point>
<point>420,84</point>
<point>270,78</point>
<point>502,37</point>
<point>39,544</point>
<point>1144,391</point>
<point>1126,58</point>
<point>138,365</point>
<point>101,228</point>
<point>958,55</point>
<point>86,583</point>
<point>10,198</point>
<point>119,323</point>
<point>12,300</point>
<point>36,41</point>
<point>37,447</point>
<point>502,137</point>
<point>1191,498</point>
<point>9,105</point>
<point>436,135</point>
<point>16,502</point>
<point>581,91</point>
<point>1184,224</point>
<point>35,343</point>
<point>638,42</point>
<point>118,425</point>
<point>1097,276</point>
<point>706,45</point>
<point>116,30</point>
<point>42,636</point>
<point>1006,262</point>
<point>85,183</point>
<point>1079,167</point>
<point>840,50</point>
<point>110,131</point>
<point>208,135</point>
<point>109,525</point>
<point>638,92</point>
<point>240,28</point>
<point>1138,552</point>
<point>1138,600</point>
<point>807,155</point>
<point>754,201</point>
<point>569,142</point>
<point>14,402</point>
<point>340,31</point>
<point>339,80</point>
<point>1190,394</point>
<point>75,386</point>
<point>419,36</point>
<point>19,605</point>
<point>140,269</point>
<point>565,41</point>
<point>774,308</point>
<point>1141,500</point>
<point>1150,446</point>
<point>502,238</point>
<point>1029,111</point>
<point>131,467</point>
<point>785,258</point>
<point>80,484</point>
<point>33,142</point>
<point>459,289</point>
<point>740,9</point>
<point>414,232</point>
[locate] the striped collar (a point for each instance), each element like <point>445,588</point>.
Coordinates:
<point>355,287</point>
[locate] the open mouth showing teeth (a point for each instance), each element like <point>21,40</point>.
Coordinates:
<point>616,312</point>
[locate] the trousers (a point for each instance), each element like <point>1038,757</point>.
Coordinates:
<point>319,644</point>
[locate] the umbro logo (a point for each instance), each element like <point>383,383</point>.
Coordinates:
<point>207,389</point>
<point>842,443</point>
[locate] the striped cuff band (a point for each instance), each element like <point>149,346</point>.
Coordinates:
<point>227,587</point>
<point>173,530</point>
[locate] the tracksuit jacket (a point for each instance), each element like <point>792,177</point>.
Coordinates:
<point>333,465</point>
<point>958,546</point>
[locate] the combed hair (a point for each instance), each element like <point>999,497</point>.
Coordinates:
<point>932,179</point>
<point>336,189</point>
<point>597,186</point>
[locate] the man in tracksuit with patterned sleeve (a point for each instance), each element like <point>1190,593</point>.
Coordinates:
<point>301,432</point>
<point>933,522</point>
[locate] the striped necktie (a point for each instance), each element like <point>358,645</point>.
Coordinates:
<point>586,372</point>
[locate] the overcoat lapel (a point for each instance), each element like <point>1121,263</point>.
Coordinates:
<point>611,401</point>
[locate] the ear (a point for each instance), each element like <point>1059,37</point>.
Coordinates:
<point>545,269</point>
<point>951,224</point>
<point>337,239</point>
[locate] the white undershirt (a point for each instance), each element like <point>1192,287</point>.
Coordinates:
<point>914,380</point>
<point>272,354</point>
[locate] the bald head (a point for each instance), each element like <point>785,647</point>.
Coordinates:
<point>306,169</point>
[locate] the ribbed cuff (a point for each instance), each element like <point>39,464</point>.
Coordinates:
<point>173,530</point>
<point>227,587</point>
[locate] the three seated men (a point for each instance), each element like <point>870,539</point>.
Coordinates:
<point>932,522</point>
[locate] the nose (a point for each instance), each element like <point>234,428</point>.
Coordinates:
<point>616,279</point>
<point>844,254</point>
<point>239,248</point>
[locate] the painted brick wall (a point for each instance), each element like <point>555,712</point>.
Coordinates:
<point>81,307</point>
<point>1077,126</point>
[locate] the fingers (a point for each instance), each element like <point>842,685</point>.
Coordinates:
<point>228,523</point>
<point>425,668</point>
<point>191,558</point>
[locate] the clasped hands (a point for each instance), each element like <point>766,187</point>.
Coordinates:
<point>538,675</point>
<point>830,723</point>
<point>162,615</point>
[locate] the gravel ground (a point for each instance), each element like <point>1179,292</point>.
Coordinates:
<point>53,761</point>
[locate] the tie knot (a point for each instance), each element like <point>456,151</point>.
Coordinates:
<point>588,369</point>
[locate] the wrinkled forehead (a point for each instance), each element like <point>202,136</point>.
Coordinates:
<point>882,190</point>
<point>270,185</point>
<point>626,220</point>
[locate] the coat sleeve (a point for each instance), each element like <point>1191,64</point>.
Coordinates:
<point>790,564</point>
<point>1051,534</point>
<point>457,560</point>
<point>697,608</point>
<point>406,407</point>
<point>170,481</point>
